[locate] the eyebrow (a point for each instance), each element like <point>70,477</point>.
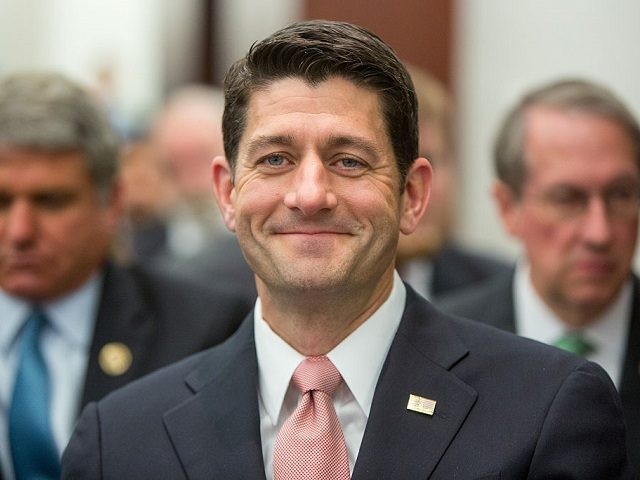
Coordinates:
<point>264,141</point>
<point>355,142</point>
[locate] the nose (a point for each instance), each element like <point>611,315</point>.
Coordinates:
<point>20,223</point>
<point>596,227</point>
<point>310,190</point>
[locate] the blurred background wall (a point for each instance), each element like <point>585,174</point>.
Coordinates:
<point>488,52</point>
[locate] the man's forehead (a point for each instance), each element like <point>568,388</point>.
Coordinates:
<point>31,167</point>
<point>282,106</point>
<point>11,152</point>
<point>557,173</point>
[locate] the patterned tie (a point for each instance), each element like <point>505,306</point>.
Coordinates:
<point>32,447</point>
<point>576,343</point>
<point>310,444</point>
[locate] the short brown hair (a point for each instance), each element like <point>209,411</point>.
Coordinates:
<point>315,51</point>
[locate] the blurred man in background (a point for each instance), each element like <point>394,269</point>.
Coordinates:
<point>568,164</point>
<point>429,259</point>
<point>178,227</point>
<point>149,193</point>
<point>179,220</point>
<point>74,324</point>
<point>186,136</point>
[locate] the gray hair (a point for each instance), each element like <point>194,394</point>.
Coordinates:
<point>574,95</point>
<point>49,112</point>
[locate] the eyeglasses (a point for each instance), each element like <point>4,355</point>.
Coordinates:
<point>565,203</point>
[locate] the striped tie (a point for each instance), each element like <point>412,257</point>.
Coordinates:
<point>310,444</point>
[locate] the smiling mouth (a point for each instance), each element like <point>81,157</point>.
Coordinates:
<point>313,233</point>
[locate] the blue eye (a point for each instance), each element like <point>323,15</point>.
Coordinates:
<point>274,160</point>
<point>350,163</point>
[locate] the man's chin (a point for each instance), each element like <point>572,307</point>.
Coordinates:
<point>593,300</point>
<point>306,280</point>
<point>27,288</point>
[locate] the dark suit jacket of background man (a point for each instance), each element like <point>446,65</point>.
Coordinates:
<point>503,403</point>
<point>492,303</point>
<point>221,259</point>
<point>455,268</point>
<point>160,319</point>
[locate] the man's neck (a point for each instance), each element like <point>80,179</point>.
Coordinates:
<point>313,323</point>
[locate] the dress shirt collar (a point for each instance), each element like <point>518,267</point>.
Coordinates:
<point>67,315</point>
<point>534,319</point>
<point>358,358</point>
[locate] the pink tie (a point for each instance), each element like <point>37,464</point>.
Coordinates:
<point>310,444</point>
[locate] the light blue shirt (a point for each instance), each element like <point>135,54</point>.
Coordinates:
<point>65,342</point>
<point>358,358</point>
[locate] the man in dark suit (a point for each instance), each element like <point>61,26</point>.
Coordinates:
<point>342,370</point>
<point>568,163</point>
<point>75,325</point>
<point>429,259</point>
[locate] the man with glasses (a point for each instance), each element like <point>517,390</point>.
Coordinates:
<point>567,159</point>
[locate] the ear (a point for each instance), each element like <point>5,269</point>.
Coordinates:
<point>222,178</point>
<point>416,195</point>
<point>114,205</point>
<point>509,207</point>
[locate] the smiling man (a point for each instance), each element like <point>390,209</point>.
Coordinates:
<point>343,371</point>
<point>568,189</point>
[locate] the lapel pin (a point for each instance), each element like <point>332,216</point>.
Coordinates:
<point>422,405</point>
<point>115,358</point>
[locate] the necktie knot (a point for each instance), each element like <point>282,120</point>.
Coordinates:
<point>575,342</point>
<point>32,328</point>
<point>317,373</point>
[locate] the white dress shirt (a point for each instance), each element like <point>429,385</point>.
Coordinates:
<point>65,342</point>
<point>608,333</point>
<point>358,358</point>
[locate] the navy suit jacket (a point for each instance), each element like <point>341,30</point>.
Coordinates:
<point>455,268</point>
<point>160,319</point>
<point>507,408</point>
<point>492,303</point>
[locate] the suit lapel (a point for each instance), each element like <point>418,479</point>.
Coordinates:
<point>630,384</point>
<point>216,432</point>
<point>122,318</point>
<point>399,443</point>
<point>630,376</point>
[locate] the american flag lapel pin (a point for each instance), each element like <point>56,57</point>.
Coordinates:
<point>420,404</point>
